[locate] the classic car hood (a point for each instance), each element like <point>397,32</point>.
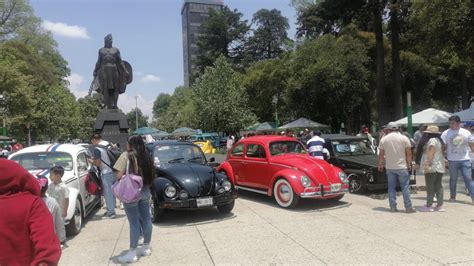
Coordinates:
<point>359,160</point>
<point>196,179</point>
<point>319,170</point>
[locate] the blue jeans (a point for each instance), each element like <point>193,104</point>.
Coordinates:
<point>465,168</point>
<point>139,219</point>
<point>403,177</point>
<point>107,181</point>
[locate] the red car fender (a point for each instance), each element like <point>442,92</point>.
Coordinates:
<point>227,168</point>
<point>292,176</point>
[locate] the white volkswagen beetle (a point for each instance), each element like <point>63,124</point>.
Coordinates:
<point>39,159</point>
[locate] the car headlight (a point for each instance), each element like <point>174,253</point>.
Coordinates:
<point>170,191</point>
<point>183,195</point>
<point>343,177</point>
<point>305,181</point>
<point>227,185</point>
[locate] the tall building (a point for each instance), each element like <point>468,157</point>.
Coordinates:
<point>194,13</point>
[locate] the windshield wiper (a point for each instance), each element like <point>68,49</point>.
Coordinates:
<point>175,160</point>
<point>195,158</point>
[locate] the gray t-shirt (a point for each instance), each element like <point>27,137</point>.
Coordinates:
<point>394,145</point>
<point>58,221</point>
<point>437,165</point>
<point>457,142</point>
<point>100,153</point>
<point>60,193</point>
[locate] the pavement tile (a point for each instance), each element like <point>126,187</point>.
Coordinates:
<point>92,253</point>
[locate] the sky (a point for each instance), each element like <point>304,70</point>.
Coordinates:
<point>147,32</point>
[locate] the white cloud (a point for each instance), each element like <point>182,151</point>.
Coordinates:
<point>126,102</point>
<point>75,81</point>
<point>149,78</point>
<point>65,30</point>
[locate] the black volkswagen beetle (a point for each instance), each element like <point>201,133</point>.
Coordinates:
<point>185,180</point>
<point>358,158</point>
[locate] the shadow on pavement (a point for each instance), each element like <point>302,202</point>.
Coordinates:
<point>177,218</point>
<point>303,206</point>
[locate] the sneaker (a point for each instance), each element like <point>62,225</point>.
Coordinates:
<point>425,209</point>
<point>452,200</point>
<point>439,209</point>
<point>393,210</point>
<point>112,216</point>
<point>140,240</point>
<point>144,251</point>
<point>130,257</point>
<point>410,210</point>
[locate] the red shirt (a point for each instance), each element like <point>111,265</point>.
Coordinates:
<point>17,147</point>
<point>27,234</point>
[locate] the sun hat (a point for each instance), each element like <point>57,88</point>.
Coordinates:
<point>392,125</point>
<point>432,129</point>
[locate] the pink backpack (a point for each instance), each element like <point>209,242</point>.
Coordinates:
<point>128,188</point>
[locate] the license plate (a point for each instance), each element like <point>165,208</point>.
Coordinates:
<point>335,187</point>
<point>204,202</point>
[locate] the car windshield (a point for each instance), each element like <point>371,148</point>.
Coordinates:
<point>178,154</point>
<point>352,147</point>
<point>44,160</point>
<point>285,147</point>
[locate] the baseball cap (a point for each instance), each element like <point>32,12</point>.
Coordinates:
<point>455,118</point>
<point>392,125</point>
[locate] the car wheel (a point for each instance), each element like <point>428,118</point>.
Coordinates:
<point>226,208</point>
<point>156,212</point>
<point>284,194</point>
<point>75,224</point>
<point>357,184</point>
<point>338,198</point>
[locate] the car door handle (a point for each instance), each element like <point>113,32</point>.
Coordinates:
<point>244,162</point>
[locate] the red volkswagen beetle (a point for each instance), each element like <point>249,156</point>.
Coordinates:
<point>281,167</point>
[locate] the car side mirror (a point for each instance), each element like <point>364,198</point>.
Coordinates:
<point>212,160</point>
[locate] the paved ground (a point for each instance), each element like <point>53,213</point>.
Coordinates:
<point>358,230</point>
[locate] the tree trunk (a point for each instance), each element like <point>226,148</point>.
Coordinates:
<point>465,93</point>
<point>396,74</point>
<point>380,91</point>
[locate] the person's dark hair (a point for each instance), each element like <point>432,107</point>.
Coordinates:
<point>145,167</point>
<point>57,170</point>
<point>44,188</point>
<point>96,136</point>
<point>454,118</point>
<point>317,133</point>
<point>421,145</point>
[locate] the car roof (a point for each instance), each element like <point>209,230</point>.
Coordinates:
<point>267,139</point>
<point>68,148</point>
<point>341,137</point>
<point>169,142</point>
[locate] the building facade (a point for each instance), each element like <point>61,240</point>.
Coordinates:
<point>194,13</point>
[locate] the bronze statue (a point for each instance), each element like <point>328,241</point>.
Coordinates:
<point>111,74</point>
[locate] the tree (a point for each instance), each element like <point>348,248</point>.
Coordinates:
<point>161,105</point>
<point>220,99</point>
<point>14,14</point>
<point>396,95</point>
<point>224,33</point>
<point>180,112</point>
<point>89,107</point>
<point>132,118</point>
<point>269,36</point>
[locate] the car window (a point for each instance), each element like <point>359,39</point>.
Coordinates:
<point>284,147</point>
<point>238,151</point>
<point>44,160</point>
<point>255,151</point>
<point>82,164</point>
<point>178,154</point>
<point>352,147</point>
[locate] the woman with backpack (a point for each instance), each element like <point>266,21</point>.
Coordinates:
<point>430,150</point>
<point>139,163</point>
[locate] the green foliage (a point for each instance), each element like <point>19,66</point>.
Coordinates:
<point>89,107</point>
<point>179,113</point>
<point>14,14</point>
<point>220,99</point>
<point>132,119</point>
<point>222,34</point>
<point>160,106</point>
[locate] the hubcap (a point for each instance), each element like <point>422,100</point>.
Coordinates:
<point>355,184</point>
<point>78,219</point>
<point>284,192</point>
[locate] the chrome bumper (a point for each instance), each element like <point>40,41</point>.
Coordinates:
<point>310,193</point>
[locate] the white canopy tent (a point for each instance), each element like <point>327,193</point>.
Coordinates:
<point>466,115</point>
<point>429,116</point>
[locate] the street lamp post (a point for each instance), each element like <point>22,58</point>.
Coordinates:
<point>275,102</point>
<point>409,114</point>
<point>136,112</point>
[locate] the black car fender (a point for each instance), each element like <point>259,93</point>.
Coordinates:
<point>159,185</point>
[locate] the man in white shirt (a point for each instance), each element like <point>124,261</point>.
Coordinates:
<point>459,143</point>
<point>396,156</point>
<point>316,146</point>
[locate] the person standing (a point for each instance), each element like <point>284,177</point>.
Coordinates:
<point>396,156</point>
<point>138,213</point>
<point>418,134</point>
<point>26,227</point>
<point>316,146</point>
<point>459,143</point>
<point>230,142</point>
<point>430,148</point>
<point>101,160</point>
<point>17,146</point>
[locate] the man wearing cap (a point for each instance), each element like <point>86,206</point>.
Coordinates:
<point>458,142</point>
<point>396,156</point>
<point>418,134</point>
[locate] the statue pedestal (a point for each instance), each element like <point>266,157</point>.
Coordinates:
<point>112,124</point>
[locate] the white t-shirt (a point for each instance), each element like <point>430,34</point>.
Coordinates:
<point>437,165</point>
<point>457,142</point>
<point>58,221</point>
<point>60,193</point>
<point>394,145</point>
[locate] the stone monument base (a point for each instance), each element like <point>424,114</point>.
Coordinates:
<point>112,124</point>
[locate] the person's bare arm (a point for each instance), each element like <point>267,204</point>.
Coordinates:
<point>381,160</point>
<point>66,205</point>
<point>409,156</point>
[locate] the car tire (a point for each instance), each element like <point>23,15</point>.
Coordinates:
<point>357,184</point>
<point>157,213</point>
<point>226,208</point>
<point>338,198</point>
<point>284,194</point>
<point>75,224</point>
